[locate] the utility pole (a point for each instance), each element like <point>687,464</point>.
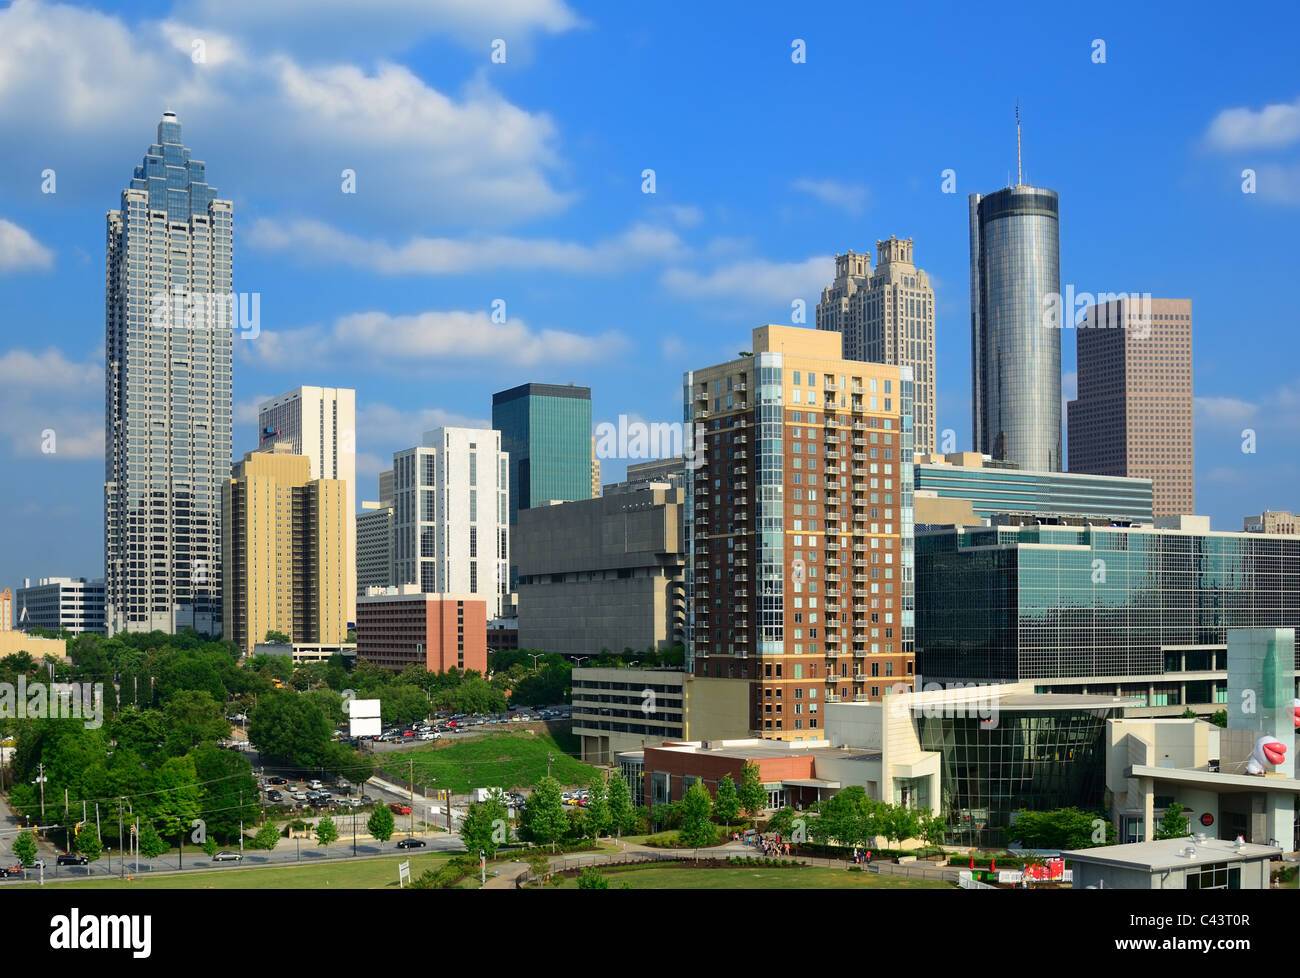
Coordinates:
<point>411,784</point>
<point>549,759</point>
<point>137,845</point>
<point>41,778</point>
<point>119,838</point>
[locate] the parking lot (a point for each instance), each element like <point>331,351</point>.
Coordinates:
<point>453,725</point>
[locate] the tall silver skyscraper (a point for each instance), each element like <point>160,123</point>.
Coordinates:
<point>1015,355</point>
<point>167,410</point>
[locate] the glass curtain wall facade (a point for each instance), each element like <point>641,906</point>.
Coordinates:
<point>168,348</point>
<point>1031,760</point>
<point>1015,357</point>
<point>546,430</point>
<point>996,491</point>
<point>1053,603</point>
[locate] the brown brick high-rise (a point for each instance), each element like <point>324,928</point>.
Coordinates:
<point>1133,414</point>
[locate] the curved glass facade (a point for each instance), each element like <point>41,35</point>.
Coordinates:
<point>1031,760</point>
<point>1015,358</point>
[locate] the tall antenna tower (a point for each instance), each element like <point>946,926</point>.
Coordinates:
<point>1019,176</point>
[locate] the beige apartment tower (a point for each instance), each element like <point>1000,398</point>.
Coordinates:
<point>799,528</point>
<point>887,317</point>
<point>1133,413</point>
<point>284,551</point>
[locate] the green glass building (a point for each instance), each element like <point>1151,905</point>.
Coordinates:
<point>546,429</point>
<point>1124,611</point>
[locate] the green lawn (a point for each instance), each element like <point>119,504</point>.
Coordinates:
<point>510,759</point>
<point>740,878</point>
<point>366,874</point>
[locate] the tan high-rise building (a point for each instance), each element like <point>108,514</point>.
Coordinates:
<point>799,527</point>
<point>887,317</point>
<point>284,551</point>
<point>1133,413</point>
<point>6,610</point>
<point>1275,521</point>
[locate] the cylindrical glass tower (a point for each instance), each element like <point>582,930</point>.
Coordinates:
<point>1015,347</point>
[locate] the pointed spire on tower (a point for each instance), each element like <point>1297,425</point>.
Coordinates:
<point>1020,182</point>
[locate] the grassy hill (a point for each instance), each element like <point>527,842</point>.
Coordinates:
<point>509,759</point>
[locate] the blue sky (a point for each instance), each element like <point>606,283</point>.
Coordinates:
<point>478,181</point>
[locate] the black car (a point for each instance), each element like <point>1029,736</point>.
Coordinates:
<point>72,859</point>
<point>8,871</point>
<point>274,795</point>
<point>276,781</point>
<point>411,844</point>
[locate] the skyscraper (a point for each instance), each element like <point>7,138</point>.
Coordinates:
<point>799,527</point>
<point>284,546</point>
<point>451,516</point>
<point>1015,355</point>
<point>320,422</point>
<point>546,429</point>
<point>167,398</point>
<point>1133,415</point>
<point>887,317</point>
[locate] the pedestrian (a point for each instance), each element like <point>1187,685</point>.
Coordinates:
<point>868,858</point>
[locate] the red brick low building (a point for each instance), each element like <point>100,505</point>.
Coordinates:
<point>399,627</point>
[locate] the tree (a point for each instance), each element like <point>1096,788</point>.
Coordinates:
<point>25,847</point>
<point>899,823</point>
<point>267,838</point>
<point>193,717</point>
<point>592,879</point>
<point>210,845</point>
<point>273,636</point>
<point>1174,825</point>
<point>228,791</point>
<point>599,818</point>
<point>404,705</point>
<point>87,842</point>
<point>381,823</point>
<point>697,808</point>
<point>1220,718</point>
<point>1063,828</point>
<point>726,806</point>
<point>622,815</point>
<point>151,843</point>
<point>934,830</point>
<point>326,831</point>
<point>290,729</point>
<point>544,817</point>
<point>485,826</point>
<point>781,822</point>
<point>753,796</point>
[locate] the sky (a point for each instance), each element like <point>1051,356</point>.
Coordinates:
<point>498,154</point>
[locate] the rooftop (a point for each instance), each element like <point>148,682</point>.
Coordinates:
<point>1172,853</point>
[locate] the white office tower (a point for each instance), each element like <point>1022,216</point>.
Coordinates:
<point>451,516</point>
<point>321,423</point>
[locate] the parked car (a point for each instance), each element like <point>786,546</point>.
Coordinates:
<point>226,856</point>
<point>314,785</point>
<point>276,781</point>
<point>399,809</point>
<point>299,796</point>
<point>273,795</point>
<point>35,864</point>
<point>8,871</point>
<point>411,844</point>
<point>72,859</point>
<point>431,735</point>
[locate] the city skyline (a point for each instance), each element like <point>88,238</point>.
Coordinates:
<point>345,279</point>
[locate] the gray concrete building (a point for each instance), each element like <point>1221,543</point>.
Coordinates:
<point>374,535</point>
<point>602,573</point>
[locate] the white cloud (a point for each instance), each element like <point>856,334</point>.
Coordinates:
<point>394,343</point>
<point>319,242</point>
<point>849,197</point>
<point>384,25</point>
<point>1279,182</point>
<point>1223,412</point>
<point>20,251</point>
<point>48,401</point>
<point>1241,128</point>
<point>383,429</point>
<point>86,90</point>
<point>755,280</point>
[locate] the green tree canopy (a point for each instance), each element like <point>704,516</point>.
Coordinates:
<point>381,823</point>
<point>697,808</point>
<point>544,819</point>
<point>726,806</point>
<point>485,826</point>
<point>290,729</point>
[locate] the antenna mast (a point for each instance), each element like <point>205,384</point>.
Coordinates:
<point>1019,175</point>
